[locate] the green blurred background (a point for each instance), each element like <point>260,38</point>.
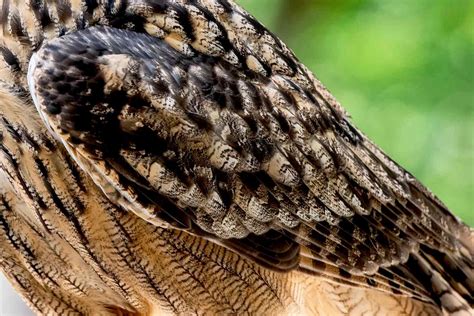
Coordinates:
<point>405,72</point>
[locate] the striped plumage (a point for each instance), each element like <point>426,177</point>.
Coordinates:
<point>173,156</point>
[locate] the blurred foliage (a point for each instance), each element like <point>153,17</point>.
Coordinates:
<point>403,69</point>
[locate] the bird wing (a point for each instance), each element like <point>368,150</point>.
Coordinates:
<point>200,119</point>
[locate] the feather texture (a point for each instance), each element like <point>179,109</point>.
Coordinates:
<point>194,118</point>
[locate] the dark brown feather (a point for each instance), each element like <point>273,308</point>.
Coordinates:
<point>193,116</point>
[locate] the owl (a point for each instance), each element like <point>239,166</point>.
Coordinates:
<point>173,157</point>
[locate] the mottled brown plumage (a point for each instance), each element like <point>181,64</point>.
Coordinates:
<point>175,157</point>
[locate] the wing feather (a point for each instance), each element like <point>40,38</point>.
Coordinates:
<point>237,142</point>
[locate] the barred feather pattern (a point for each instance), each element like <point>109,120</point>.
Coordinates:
<point>69,251</point>
<point>171,135</point>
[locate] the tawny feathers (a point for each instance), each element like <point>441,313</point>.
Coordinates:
<point>175,157</point>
